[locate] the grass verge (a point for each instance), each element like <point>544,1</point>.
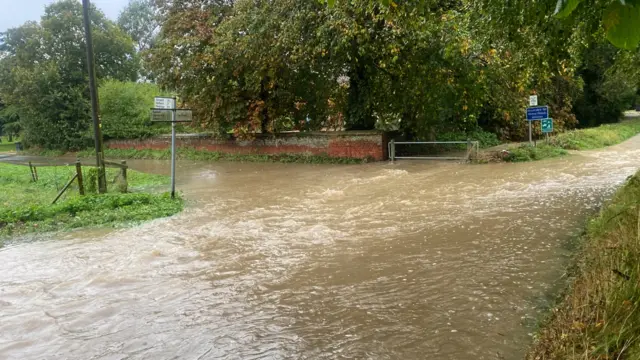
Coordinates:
<point>580,139</point>
<point>598,137</point>
<point>193,154</point>
<point>26,205</point>
<point>599,317</point>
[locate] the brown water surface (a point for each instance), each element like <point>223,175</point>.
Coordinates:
<point>274,261</point>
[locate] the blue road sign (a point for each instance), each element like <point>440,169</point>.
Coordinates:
<point>537,113</point>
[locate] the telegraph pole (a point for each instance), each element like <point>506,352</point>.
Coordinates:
<point>97,127</point>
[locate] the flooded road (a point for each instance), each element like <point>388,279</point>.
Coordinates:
<point>277,261</point>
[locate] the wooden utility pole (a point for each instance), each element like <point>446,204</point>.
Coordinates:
<point>97,127</point>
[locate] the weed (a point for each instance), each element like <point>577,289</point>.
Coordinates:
<point>599,318</point>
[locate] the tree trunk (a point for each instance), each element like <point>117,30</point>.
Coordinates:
<point>264,96</point>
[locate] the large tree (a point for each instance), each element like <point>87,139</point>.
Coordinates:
<point>140,20</point>
<point>43,72</point>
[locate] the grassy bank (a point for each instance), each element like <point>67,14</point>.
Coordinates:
<point>598,137</point>
<point>580,139</point>
<point>193,154</point>
<point>26,205</point>
<point>599,318</point>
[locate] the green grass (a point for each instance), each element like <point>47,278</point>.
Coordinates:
<point>193,154</point>
<point>532,153</point>
<point>598,137</point>
<point>6,146</point>
<point>581,139</point>
<point>599,317</point>
<point>25,206</point>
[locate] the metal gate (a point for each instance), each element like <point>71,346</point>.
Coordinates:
<point>471,150</point>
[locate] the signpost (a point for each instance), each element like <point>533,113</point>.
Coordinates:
<point>536,113</point>
<point>165,111</point>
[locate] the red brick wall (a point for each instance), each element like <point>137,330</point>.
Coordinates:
<point>356,144</point>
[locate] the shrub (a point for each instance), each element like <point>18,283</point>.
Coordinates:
<point>125,110</point>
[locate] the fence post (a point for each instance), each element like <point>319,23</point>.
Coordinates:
<point>393,150</point>
<point>79,176</point>
<point>123,172</point>
<point>33,176</point>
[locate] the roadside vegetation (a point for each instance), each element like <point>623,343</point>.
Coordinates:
<point>599,317</point>
<point>193,154</point>
<point>25,205</point>
<point>579,139</point>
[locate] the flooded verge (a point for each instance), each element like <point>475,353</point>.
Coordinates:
<point>382,261</point>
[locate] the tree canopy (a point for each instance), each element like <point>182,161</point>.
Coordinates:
<point>425,69</point>
<point>420,67</point>
<point>43,72</point>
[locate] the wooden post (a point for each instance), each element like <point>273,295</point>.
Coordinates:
<point>35,172</point>
<point>64,189</point>
<point>33,177</point>
<point>79,176</point>
<point>123,172</point>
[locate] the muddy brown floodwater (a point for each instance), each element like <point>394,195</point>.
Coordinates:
<point>272,261</point>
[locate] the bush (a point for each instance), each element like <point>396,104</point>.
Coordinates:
<point>125,110</point>
<point>530,153</point>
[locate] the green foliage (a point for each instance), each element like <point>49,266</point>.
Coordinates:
<point>421,68</point>
<point>91,181</point>
<point>140,21</point>
<point>622,22</point>
<point>26,205</point>
<point>125,110</point>
<point>611,80</point>
<point>43,73</point>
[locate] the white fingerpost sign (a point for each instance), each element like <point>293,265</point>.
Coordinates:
<point>164,102</point>
<point>165,111</point>
<point>533,100</point>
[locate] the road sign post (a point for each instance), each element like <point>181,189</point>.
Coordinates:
<point>165,111</point>
<point>536,113</point>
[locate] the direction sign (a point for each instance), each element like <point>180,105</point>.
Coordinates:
<point>161,115</point>
<point>164,102</point>
<point>537,113</point>
<point>533,100</point>
<point>546,125</point>
<point>184,115</point>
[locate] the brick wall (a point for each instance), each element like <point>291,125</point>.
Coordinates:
<point>348,144</point>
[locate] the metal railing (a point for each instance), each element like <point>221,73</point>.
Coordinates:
<point>472,149</point>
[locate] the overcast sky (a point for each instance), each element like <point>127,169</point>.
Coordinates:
<point>16,12</point>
